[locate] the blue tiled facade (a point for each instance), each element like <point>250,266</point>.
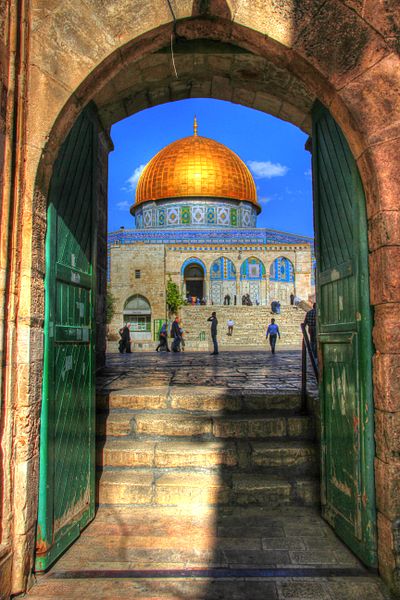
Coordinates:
<point>192,239</point>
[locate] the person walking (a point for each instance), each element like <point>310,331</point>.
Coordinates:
<point>310,321</point>
<point>291,299</point>
<point>176,334</point>
<point>125,341</point>
<point>163,339</point>
<point>273,332</point>
<point>230,324</point>
<point>214,323</point>
<point>182,332</point>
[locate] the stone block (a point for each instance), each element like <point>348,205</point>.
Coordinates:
<point>125,453</point>
<point>139,399</point>
<point>387,435</point>
<point>307,590</point>
<point>339,43</point>
<point>307,492</point>
<point>261,490</point>
<point>385,275</point>
<point>125,487</point>
<point>221,88</point>
<point>172,425</point>
<point>267,103</point>
<point>205,399</point>
<point>386,375</point>
<point>181,489</point>
<point>195,454</point>
<point>375,104</point>
<point>386,334</point>
<point>384,229</point>
<point>266,428</point>
<point>283,455</point>
<point>301,427</point>
<point>229,428</point>
<point>386,545</point>
<point>113,424</point>
<point>260,401</point>
<point>381,179</point>
<point>387,477</point>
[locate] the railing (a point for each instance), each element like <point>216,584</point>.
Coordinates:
<point>306,347</point>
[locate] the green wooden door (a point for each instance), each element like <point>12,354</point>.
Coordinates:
<point>67,435</point>
<point>344,334</point>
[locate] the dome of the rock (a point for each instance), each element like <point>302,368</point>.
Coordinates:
<point>196,167</point>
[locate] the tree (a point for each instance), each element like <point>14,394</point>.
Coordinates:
<point>174,297</point>
<point>110,307</point>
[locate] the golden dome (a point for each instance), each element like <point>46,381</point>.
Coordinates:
<point>196,166</point>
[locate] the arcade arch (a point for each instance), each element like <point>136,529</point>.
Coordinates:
<point>252,281</point>
<point>223,288</point>
<point>275,56</point>
<point>281,280</point>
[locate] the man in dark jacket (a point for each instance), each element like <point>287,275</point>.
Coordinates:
<point>125,341</point>
<point>311,322</point>
<point>177,335</point>
<point>214,323</point>
<point>163,339</point>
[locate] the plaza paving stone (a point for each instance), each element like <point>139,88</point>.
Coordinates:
<point>283,553</point>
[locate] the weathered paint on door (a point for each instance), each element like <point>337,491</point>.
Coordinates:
<point>67,436</point>
<point>344,334</point>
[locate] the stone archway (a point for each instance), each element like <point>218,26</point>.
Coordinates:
<point>291,46</point>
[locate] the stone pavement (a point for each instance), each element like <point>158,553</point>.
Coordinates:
<point>197,550</point>
<point>243,369</point>
<point>245,553</point>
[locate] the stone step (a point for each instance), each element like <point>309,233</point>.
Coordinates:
<point>188,488</point>
<point>224,427</point>
<point>200,398</point>
<point>296,456</point>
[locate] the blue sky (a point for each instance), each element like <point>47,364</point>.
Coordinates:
<point>272,149</point>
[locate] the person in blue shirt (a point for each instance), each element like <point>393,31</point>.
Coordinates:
<point>163,339</point>
<point>273,333</point>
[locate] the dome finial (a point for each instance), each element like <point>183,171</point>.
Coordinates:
<point>195,126</point>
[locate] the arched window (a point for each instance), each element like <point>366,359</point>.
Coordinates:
<point>137,312</point>
<point>252,269</point>
<point>281,270</point>
<point>223,269</point>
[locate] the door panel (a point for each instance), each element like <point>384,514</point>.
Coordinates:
<point>344,334</point>
<point>67,436</point>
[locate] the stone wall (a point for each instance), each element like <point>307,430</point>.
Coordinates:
<point>274,57</point>
<point>149,259</point>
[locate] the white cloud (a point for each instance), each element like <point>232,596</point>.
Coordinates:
<point>308,173</point>
<point>264,200</point>
<point>267,169</point>
<point>124,205</point>
<point>134,178</point>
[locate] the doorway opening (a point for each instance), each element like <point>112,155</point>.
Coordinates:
<point>193,276</point>
<point>254,285</point>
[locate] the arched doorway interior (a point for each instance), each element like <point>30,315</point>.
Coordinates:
<point>193,277</point>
